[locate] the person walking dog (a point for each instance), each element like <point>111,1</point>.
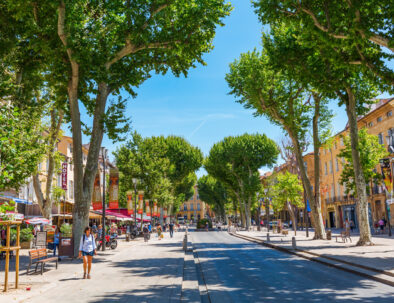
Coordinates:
<point>87,248</point>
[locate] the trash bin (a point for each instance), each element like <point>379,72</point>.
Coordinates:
<point>329,234</point>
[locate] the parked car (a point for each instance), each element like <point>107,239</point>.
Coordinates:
<point>275,223</point>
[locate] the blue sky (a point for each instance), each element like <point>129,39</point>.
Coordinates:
<point>198,107</point>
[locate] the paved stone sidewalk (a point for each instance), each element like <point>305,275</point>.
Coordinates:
<point>135,272</point>
<point>379,256</point>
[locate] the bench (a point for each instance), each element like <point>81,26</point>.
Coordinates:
<point>345,235</point>
<point>40,256</point>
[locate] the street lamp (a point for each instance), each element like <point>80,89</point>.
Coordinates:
<point>259,211</point>
<point>135,181</point>
<point>267,209</point>
<point>104,158</point>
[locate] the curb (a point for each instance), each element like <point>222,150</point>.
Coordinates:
<point>357,269</point>
<point>190,284</point>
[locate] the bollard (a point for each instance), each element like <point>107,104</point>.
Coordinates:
<point>185,243</point>
<point>293,242</point>
<point>268,237</point>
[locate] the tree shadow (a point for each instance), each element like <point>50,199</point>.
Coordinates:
<point>240,271</point>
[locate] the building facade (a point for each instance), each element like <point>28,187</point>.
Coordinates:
<point>194,209</point>
<point>337,205</point>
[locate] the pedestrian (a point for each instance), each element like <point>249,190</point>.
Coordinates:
<point>146,233</point>
<point>55,241</point>
<point>347,226</point>
<point>206,226</point>
<point>171,228</point>
<point>87,248</point>
<point>94,228</point>
<point>351,225</point>
<point>159,231</point>
<point>381,224</point>
<point>150,227</point>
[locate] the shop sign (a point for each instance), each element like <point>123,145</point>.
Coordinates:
<point>113,189</point>
<point>147,208</point>
<point>96,197</point>
<point>130,204</point>
<point>41,238</point>
<point>140,202</point>
<point>155,212</point>
<point>64,175</point>
<point>386,173</point>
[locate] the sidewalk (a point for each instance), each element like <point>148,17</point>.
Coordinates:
<point>134,272</point>
<point>379,256</point>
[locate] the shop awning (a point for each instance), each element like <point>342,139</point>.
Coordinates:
<point>16,200</point>
<point>110,215</point>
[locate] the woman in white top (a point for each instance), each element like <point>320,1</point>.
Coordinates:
<point>87,248</point>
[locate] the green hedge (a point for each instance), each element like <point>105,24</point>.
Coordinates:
<point>203,222</point>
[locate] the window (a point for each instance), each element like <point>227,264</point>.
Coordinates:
<point>70,147</point>
<point>335,145</point>
<point>325,168</point>
<point>370,124</point>
<point>59,180</point>
<point>39,166</point>
<point>379,119</point>
<point>191,207</point>
<point>332,190</point>
<point>330,167</point>
<point>198,197</point>
<point>336,164</point>
<point>338,190</point>
<point>305,165</point>
<point>185,207</point>
<point>198,206</point>
<point>341,141</point>
<point>380,136</point>
<point>389,114</point>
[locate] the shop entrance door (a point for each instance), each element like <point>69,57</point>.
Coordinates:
<point>332,219</point>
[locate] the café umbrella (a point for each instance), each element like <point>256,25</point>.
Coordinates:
<point>37,220</point>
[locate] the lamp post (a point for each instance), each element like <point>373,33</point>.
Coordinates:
<point>259,211</point>
<point>135,181</point>
<point>267,208</point>
<point>103,157</point>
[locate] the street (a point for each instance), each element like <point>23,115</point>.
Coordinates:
<point>236,270</point>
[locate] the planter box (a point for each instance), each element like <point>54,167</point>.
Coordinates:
<point>26,245</point>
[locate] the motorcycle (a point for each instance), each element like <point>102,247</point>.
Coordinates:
<point>110,242</point>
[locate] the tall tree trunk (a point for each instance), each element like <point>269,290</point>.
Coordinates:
<point>83,179</point>
<point>293,217</point>
<point>361,192</point>
<point>320,232</point>
<point>45,201</point>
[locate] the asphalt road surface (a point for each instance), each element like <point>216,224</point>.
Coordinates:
<point>236,270</point>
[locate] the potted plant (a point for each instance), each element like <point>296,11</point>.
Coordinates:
<point>66,230</point>
<point>26,237</point>
<point>7,207</point>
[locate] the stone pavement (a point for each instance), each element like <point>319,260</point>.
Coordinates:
<point>135,272</point>
<point>379,256</point>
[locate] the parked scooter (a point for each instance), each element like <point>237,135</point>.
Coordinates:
<point>110,242</point>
